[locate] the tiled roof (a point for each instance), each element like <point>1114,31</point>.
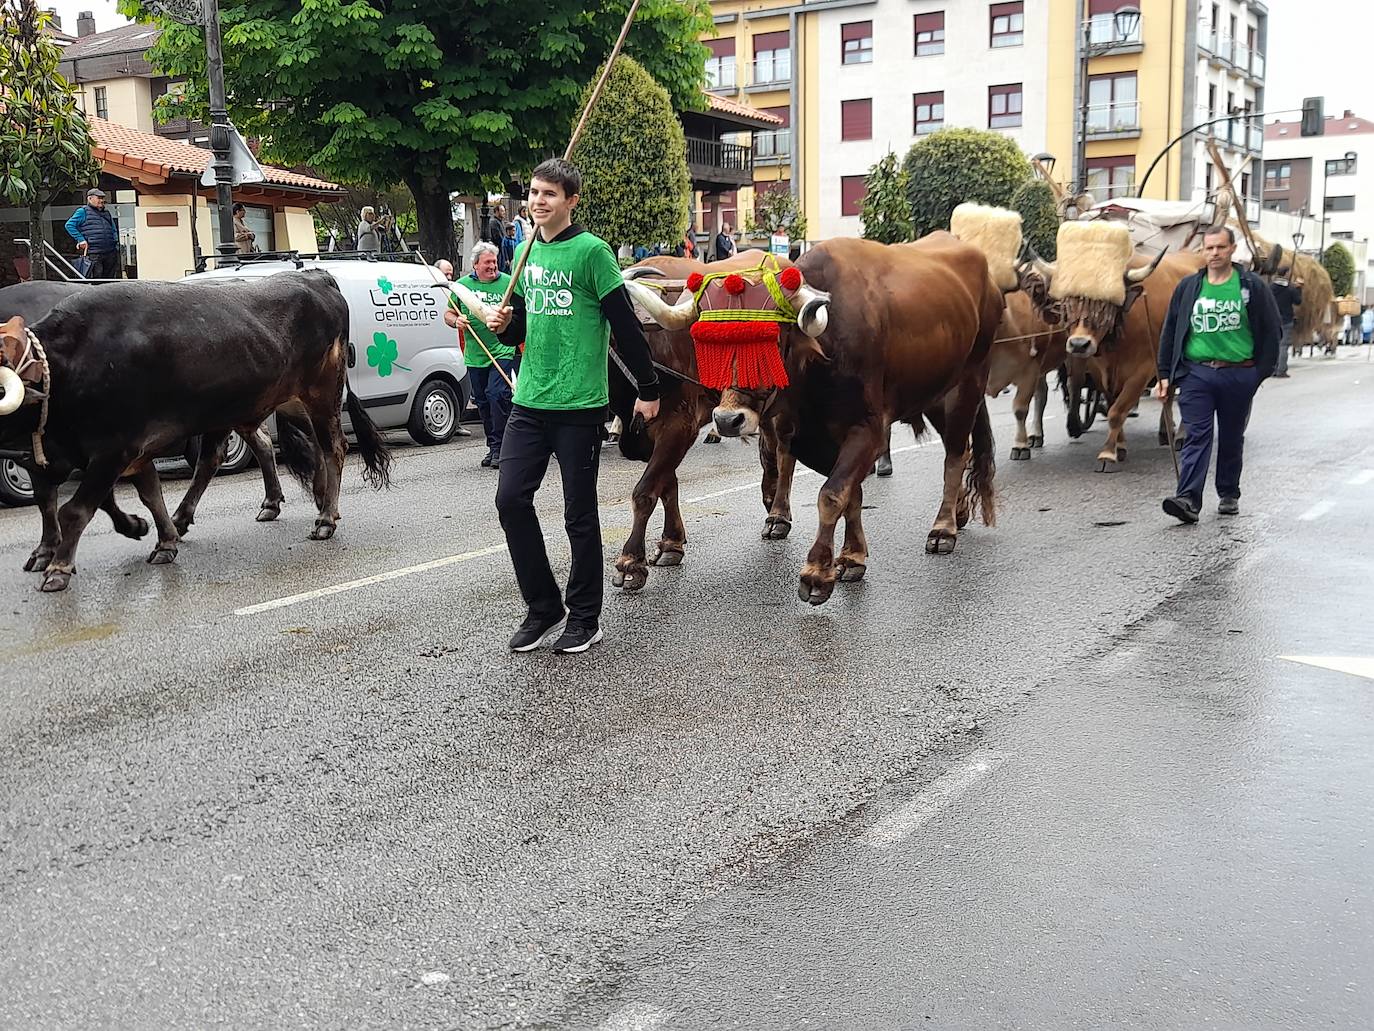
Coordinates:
<point>121,145</point>
<point>1347,125</point>
<point>132,38</point>
<point>733,107</point>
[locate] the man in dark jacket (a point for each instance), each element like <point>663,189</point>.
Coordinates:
<point>97,236</point>
<point>1220,341</point>
<point>1287,296</point>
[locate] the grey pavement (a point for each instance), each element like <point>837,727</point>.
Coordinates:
<point>1037,783</point>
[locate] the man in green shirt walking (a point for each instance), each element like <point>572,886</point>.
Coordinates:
<point>1219,342</point>
<point>489,389</point>
<point>568,300</point>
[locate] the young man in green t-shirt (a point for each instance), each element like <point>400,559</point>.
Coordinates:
<point>568,300</point>
<point>489,390</point>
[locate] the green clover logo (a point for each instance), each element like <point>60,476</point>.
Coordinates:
<point>384,285</point>
<point>381,354</point>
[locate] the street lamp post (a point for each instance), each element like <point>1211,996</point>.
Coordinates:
<point>1124,23</point>
<point>1348,161</point>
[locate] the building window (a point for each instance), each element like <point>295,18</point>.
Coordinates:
<point>1112,105</point>
<point>1111,177</point>
<point>930,34</point>
<point>774,146</point>
<point>929,112</point>
<point>1341,166</point>
<point>1244,185</point>
<point>720,66</point>
<point>1339,203</point>
<point>772,58</point>
<point>856,119</point>
<point>1348,234</point>
<point>1008,24</point>
<point>856,42</point>
<point>1004,106</point>
<point>102,102</point>
<point>1102,24</point>
<point>852,190</point>
<point>1211,100</point>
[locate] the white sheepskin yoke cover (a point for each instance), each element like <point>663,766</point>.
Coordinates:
<point>994,231</point>
<point>1092,261</point>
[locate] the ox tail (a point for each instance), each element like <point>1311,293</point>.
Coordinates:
<point>299,452</point>
<point>373,447</point>
<point>978,487</point>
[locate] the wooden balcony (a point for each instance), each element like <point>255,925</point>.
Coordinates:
<point>717,166</point>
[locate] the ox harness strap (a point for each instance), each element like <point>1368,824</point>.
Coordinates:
<point>35,355</point>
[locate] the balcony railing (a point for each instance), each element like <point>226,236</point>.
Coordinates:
<point>1256,64</point>
<point>1103,32</point>
<point>771,71</point>
<point>717,155</point>
<point>720,76</point>
<point>1123,116</point>
<point>773,146</point>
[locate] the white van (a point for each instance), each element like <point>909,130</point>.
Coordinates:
<point>405,365</point>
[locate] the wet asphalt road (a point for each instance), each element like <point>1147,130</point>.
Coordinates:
<point>1060,778</point>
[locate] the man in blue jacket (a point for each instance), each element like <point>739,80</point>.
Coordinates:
<point>97,236</point>
<point>1220,341</point>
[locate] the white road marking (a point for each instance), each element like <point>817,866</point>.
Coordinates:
<point>350,585</point>
<point>904,822</point>
<point>1318,510</point>
<point>1355,665</point>
<point>637,1016</point>
<point>1360,478</point>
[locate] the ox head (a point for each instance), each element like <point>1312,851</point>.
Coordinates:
<point>741,321</point>
<point>1092,285</point>
<point>14,352</point>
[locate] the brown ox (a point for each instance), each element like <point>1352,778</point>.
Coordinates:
<point>907,337</point>
<point>1118,344</point>
<point>1026,350</point>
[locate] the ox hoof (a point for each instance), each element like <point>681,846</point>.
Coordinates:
<point>632,578</point>
<point>884,466</point>
<point>1163,439</point>
<point>940,542</point>
<point>135,528</point>
<point>666,557</point>
<point>1037,440</point>
<point>269,511</point>
<point>711,438</point>
<point>322,532</point>
<point>815,589</point>
<point>1020,454</point>
<point>851,571</point>
<point>163,555</point>
<point>775,528</point>
<point>962,517</point>
<point>38,562</point>
<point>56,580</point>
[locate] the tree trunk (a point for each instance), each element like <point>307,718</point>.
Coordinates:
<point>434,214</point>
<point>38,267</point>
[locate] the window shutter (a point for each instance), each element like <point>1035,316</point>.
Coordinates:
<point>852,190</point>
<point>856,30</point>
<point>764,41</point>
<point>721,47</point>
<point>856,119</point>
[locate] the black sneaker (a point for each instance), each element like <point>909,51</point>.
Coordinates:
<point>535,632</point>
<point>577,639</point>
<point>1229,506</point>
<point>1181,509</point>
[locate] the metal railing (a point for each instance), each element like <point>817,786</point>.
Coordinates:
<point>1122,116</point>
<point>771,71</point>
<point>1104,32</point>
<point>729,157</point>
<point>55,261</point>
<point>774,145</point>
<point>720,76</point>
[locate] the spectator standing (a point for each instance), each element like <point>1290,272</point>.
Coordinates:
<point>725,243</point>
<point>489,390</point>
<point>496,227</point>
<point>368,237</point>
<point>1367,324</point>
<point>1287,296</point>
<point>524,228</point>
<point>243,236</point>
<point>97,236</point>
<point>508,246</point>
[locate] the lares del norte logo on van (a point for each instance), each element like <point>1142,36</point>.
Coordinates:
<point>382,354</point>
<point>548,291</point>
<point>407,305</point>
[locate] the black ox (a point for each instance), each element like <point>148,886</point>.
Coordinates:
<point>115,376</point>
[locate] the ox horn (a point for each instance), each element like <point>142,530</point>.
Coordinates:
<point>642,272</point>
<point>669,316</point>
<point>1139,275</point>
<point>13,391</point>
<point>1044,269</point>
<point>471,301</point>
<point>813,310</point>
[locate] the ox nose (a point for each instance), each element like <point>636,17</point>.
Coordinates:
<point>1080,345</point>
<point>729,424</point>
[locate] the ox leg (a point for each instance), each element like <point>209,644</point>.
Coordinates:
<point>671,443</point>
<point>73,517</point>
<point>261,445</point>
<point>1114,449</point>
<point>127,525</point>
<point>149,488</point>
<point>954,423</point>
<point>1036,436</point>
<point>329,473</point>
<point>853,561</point>
<point>1025,395</point>
<point>855,459</point>
<point>884,464</point>
<point>207,464</point>
<point>673,544</point>
<point>45,485</point>
<point>778,524</point>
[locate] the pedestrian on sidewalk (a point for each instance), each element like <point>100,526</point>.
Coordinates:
<point>1367,323</point>
<point>1220,341</point>
<point>97,236</point>
<point>490,392</point>
<point>1287,296</point>
<point>568,300</point>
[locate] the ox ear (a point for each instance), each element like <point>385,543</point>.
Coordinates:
<point>1133,293</point>
<point>806,347</point>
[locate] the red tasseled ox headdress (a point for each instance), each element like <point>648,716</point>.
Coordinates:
<point>737,330</point>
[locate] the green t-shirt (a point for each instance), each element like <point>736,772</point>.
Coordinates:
<point>490,293</point>
<point>566,336</point>
<point>1220,324</point>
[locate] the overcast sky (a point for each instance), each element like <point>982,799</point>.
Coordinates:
<point>1316,48</point>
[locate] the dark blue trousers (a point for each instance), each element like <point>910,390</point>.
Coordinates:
<point>492,398</point>
<point>1214,405</point>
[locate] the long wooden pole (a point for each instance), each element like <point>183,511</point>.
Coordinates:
<point>523,255</point>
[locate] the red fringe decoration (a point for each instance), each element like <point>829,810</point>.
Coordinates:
<point>735,284</point>
<point>694,281</point>
<point>740,354</point>
<point>790,278</point>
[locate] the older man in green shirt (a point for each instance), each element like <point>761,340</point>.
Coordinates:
<point>490,391</point>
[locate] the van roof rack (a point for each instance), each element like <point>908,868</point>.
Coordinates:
<point>298,257</point>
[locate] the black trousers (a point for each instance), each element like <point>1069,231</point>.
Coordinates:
<point>529,442</point>
<point>104,266</point>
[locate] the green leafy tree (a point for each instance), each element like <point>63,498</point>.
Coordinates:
<point>951,166</point>
<point>443,95</point>
<point>1340,266</point>
<point>633,159</point>
<point>1034,200</point>
<point>44,140</point>
<point>776,210</point>
<point>886,212</point>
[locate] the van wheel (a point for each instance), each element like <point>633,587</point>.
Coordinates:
<point>434,415</point>
<point>15,486</point>
<point>236,454</point>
